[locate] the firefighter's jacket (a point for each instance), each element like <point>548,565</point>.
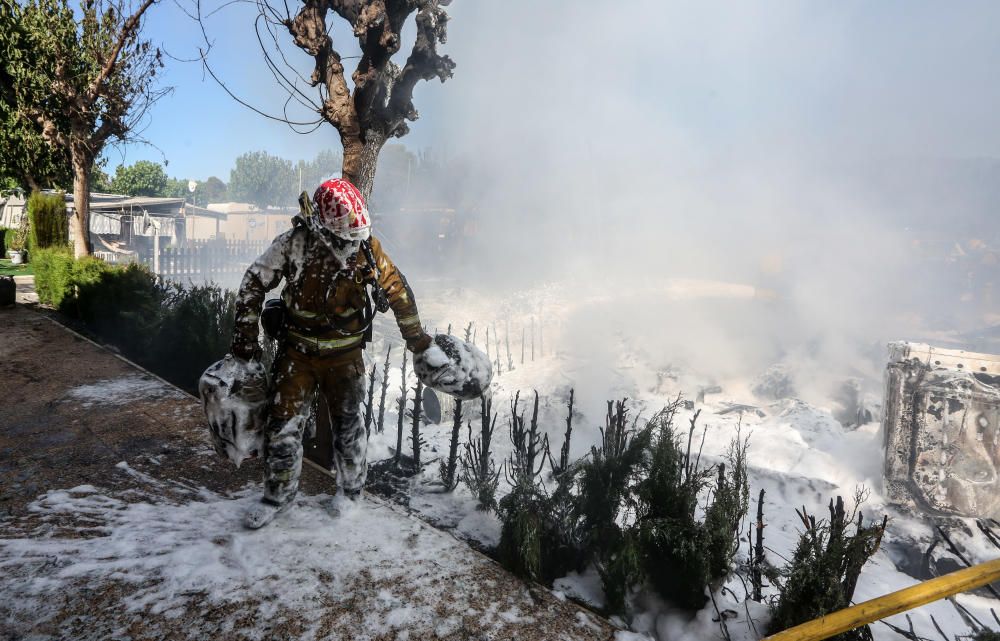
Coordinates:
<point>325,299</point>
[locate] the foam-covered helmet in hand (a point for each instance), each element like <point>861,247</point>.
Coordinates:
<point>234,394</point>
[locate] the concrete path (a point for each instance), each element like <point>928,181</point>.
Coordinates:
<point>25,289</point>
<point>117,521</point>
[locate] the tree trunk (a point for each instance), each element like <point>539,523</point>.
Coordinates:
<point>81,208</point>
<point>361,160</point>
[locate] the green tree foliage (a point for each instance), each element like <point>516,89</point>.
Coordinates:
<point>144,178</point>
<point>211,190</point>
<point>100,181</point>
<point>194,328</point>
<point>326,164</point>
<point>27,159</point>
<point>83,77</point>
<point>48,224</point>
<point>176,188</point>
<point>263,180</point>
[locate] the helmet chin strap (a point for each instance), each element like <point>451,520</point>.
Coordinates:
<point>342,249</point>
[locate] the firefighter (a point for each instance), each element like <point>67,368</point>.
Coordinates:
<point>327,319</point>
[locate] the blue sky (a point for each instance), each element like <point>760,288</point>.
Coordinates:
<point>711,81</point>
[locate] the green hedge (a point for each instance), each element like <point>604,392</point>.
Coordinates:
<point>174,331</point>
<point>53,274</point>
<point>48,224</point>
<point>8,238</point>
<point>3,240</point>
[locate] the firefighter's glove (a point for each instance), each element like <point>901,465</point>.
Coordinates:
<point>245,350</point>
<point>420,343</point>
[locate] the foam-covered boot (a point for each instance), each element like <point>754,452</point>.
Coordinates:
<point>260,514</point>
<point>344,503</point>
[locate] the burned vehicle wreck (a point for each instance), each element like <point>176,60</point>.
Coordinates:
<point>940,424</point>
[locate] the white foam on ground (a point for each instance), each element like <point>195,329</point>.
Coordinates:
<point>122,391</point>
<point>173,553</point>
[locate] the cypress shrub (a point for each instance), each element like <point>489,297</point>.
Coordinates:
<point>606,496</point>
<point>119,303</point>
<point>824,570</point>
<point>175,331</point>
<point>48,225</point>
<point>8,235</point>
<point>675,542</point>
<point>194,329</point>
<point>53,274</point>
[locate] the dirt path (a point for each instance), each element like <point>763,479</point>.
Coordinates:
<point>118,521</point>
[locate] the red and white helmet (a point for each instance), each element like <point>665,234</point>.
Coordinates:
<point>341,209</point>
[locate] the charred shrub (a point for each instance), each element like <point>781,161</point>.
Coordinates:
<point>824,570</point>
<point>681,554</point>
<point>606,501</point>
<point>630,508</point>
<point>540,534</point>
<point>522,510</point>
<point>729,506</point>
<point>479,472</point>
<point>520,549</point>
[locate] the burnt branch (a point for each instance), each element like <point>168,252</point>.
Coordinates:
<point>380,423</point>
<point>528,446</point>
<point>370,401</point>
<point>401,412</point>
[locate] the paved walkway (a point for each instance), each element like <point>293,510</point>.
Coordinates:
<point>117,521</point>
<point>25,289</point>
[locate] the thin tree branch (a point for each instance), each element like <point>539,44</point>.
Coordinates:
<point>251,107</point>
<point>128,29</point>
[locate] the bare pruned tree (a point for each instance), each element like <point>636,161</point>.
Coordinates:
<point>381,102</point>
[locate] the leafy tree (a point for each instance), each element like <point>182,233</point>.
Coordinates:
<point>312,173</point>
<point>263,180</point>
<point>27,160</point>
<point>144,178</point>
<point>211,190</point>
<point>176,188</point>
<point>83,77</point>
<point>100,181</point>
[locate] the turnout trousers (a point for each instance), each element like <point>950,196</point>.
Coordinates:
<point>298,376</point>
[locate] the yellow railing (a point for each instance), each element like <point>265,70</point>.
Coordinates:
<point>885,606</point>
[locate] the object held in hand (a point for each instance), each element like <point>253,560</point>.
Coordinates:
<point>234,395</point>
<point>454,367</point>
<point>419,344</point>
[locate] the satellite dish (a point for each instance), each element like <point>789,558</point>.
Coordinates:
<point>192,185</point>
